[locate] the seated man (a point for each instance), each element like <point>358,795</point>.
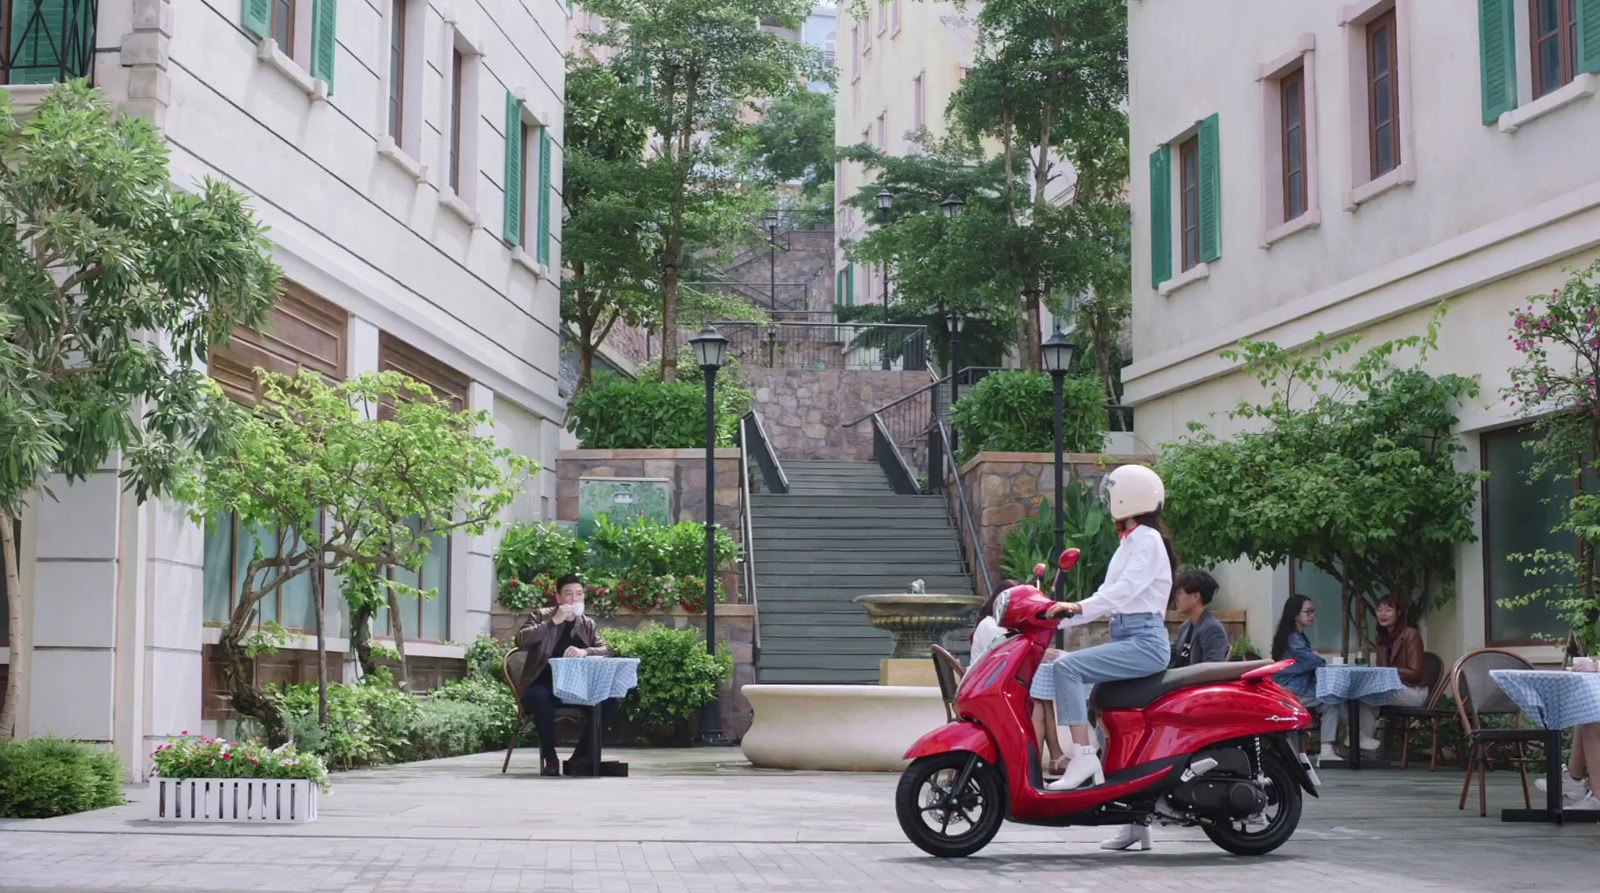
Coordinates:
<point>561,631</point>
<point>1201,638</point>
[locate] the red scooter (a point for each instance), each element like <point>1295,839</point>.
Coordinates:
<point>1208,745</point>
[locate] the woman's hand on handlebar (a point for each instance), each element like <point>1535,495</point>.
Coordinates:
<point>1062,609</point>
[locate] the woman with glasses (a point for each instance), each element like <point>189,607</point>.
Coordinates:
<point>1290,642</point>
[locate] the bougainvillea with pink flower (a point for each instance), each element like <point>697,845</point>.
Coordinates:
<point>1557,386</point>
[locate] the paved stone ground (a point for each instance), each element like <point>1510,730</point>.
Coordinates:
<point>704,820</point>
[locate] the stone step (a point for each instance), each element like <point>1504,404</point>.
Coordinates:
<point>881,512</point>
<point>859,526</point>
<point>762,503</point>
<point>787,649</point>
<point>773,631</point>
<point>860,584</point>
<point>858,675</point>
<point>780,565</point>
<point>892,537</point>
<point>865,660</point>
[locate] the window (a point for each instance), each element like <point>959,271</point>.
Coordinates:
<point>1292,92</point>
<point>1327,633</point>
<point>524,137</point>
<point>229,549</point>
<point>855,51</point>
<point>1518,516</point>
<point>426,620</point>
<point>397,67</point>
<point>1189,201</point>
<point>283,24</point>
<point>883,131</point>
<point>896,14</point>
<point>457,76</point>
<point>918,102</point>
<point>883,16</point>
<point>1383,94</point>
<point>43,42</point>
<point>1553,26</point>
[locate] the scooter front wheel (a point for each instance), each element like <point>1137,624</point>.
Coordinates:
<point>951,804</point>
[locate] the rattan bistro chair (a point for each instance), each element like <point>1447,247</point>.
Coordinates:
<point>949,672</point>
<point>1478,695</point>
<point>1434,678</point>
<point>511,666</point>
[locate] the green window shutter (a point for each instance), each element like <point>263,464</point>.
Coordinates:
<point>1497,49</point>
<point>850,285</point>
<point>39,39</point>
<point>257,18</point>
<point>838,287</point>
<point>1210,190</point>
<point>324,31</point>
<point>1160,216</point>
<point>513,184</point>
<point>1588,35</point>
<point>544,195</point>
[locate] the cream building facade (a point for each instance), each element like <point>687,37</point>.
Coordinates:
<point>406,155</point>
<point>898,68</point>
<point>1305,166</point>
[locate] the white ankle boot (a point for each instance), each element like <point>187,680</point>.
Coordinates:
<point>1084,765</point>
<point>1131,837</point>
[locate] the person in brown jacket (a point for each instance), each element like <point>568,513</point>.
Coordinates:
<point>1399,646</point>
<point>561,631</point>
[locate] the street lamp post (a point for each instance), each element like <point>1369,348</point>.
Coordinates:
<point>711,352</point>
<point>772,261</point>
<point>885,202</point>
<point>1057,353</point>
<point>952,324</point>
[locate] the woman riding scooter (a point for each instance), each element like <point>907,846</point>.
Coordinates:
<point>1135,593</point>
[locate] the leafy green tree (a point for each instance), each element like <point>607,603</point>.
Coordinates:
<point>793,141</point>
<point>1558,386</point>
<point>700,66</point>
<point>1349,468</point>
<point>350,478</point>
<point>113,288</point>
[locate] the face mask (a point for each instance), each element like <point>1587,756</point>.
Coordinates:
<point>576,608</point>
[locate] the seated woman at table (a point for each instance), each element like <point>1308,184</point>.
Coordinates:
<point>1290,642</point>
<point>560,631</point>
<point>1576,791</point>
<point>1399,646</point>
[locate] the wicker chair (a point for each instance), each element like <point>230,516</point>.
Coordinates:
<point>949,672</point>
<point>511,667</point>
<point>1434,678</point>
<point>1478,695</point>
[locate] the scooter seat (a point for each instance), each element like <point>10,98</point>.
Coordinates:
<point>1131,694</point>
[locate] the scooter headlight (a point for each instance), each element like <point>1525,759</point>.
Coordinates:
<point>1001,603</point>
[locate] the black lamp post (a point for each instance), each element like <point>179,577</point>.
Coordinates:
<point>1058,353</point>
<point>952,325</point>
<point>711,352</point>
<point>952,206</point>
<point>772,261</point>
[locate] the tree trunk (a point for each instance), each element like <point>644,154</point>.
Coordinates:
<point>17,674</point>
<point>320,605</point>
<point>1344,603</point>
<point>238,680</point>
<point>669,316</point>
<point>399,628</point>
<point>361,639</point>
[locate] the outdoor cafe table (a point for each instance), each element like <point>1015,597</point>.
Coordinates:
<point>1557,700</point>
<point>1353,685</point>
<point>589,682</point>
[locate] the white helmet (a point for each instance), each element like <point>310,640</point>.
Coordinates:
<point>1133,490</point>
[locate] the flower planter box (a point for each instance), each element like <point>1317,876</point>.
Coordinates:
<point>253,800</point>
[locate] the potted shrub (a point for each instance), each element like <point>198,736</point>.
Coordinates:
<point>200,779</point>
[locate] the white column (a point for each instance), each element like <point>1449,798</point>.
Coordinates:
<point>361,357</point>
<point>472,558</point>
<point>170,687</point>
<point>71,677</point>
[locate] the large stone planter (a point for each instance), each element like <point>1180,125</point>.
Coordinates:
<point>852,728</point>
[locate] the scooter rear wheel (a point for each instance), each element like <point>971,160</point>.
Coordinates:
<point>1281,817</point>
<point>946,815</point>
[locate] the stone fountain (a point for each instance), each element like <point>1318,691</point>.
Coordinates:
<point>862,727</point>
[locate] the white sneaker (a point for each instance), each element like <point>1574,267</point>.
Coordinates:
<point>1370,744</point>
<point>1572,789</point>
<point>1327,755</point>
<point>1588,802</point>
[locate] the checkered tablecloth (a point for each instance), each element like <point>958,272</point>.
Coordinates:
<point>590,680</point>
<point>1350,683</point>
<point>1557,699</point>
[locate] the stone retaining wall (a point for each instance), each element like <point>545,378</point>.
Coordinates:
<point>1002,488</point>
<point>802,409</point>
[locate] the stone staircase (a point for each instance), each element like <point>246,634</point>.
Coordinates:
<point>838,533</point>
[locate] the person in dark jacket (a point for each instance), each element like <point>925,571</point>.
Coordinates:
<point>1201,638</point>
<point>561,631</point>
<point>1399,646</point>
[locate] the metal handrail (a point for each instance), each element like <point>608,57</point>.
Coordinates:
<point>772,473</point>
<point>964,515</point>
<point>922,390</point>
<point>889,458</point>
<point>747,533</point>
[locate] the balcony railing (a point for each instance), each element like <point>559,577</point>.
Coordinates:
<point>44,41</point>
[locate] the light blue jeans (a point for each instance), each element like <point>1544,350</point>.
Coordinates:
<point>1138,648</point>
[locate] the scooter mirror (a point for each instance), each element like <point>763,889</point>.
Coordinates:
<point>1038,570</point>
<point>1068,559</point>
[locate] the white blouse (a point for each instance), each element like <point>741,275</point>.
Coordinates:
<point>984,638</point>
<point>1139,580</point>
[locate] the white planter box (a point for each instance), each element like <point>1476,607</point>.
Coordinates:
<point>258,800</point>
